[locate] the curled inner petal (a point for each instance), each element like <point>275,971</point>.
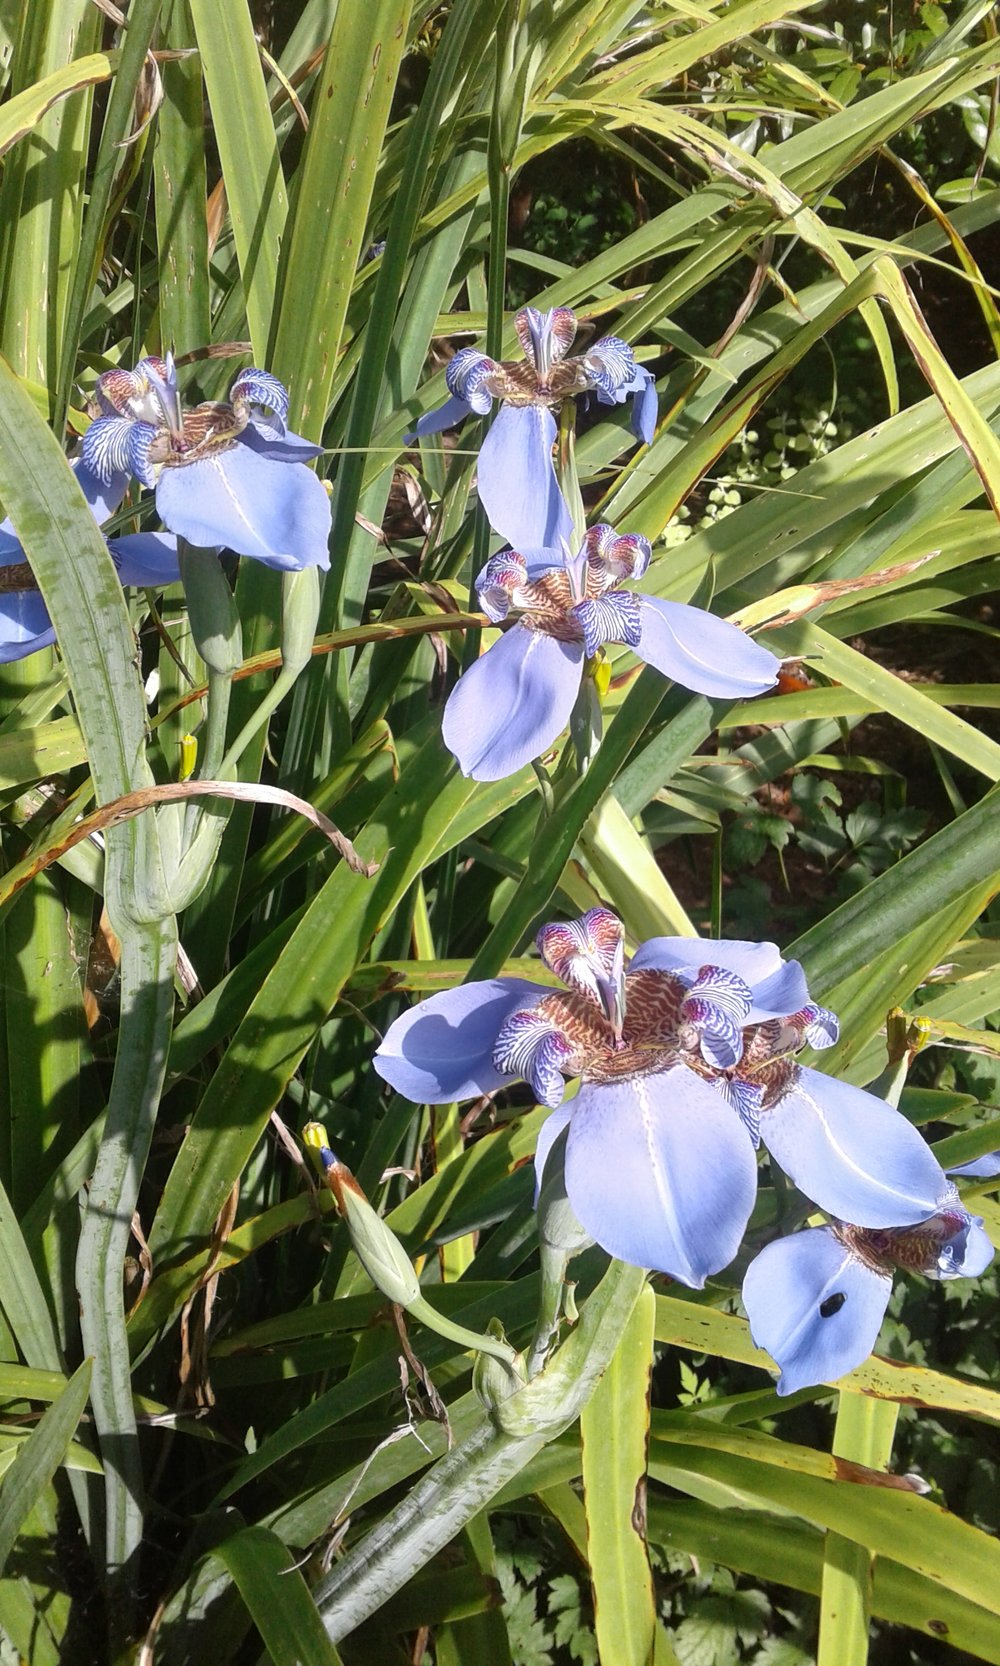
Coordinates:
<point>611,367</point>
<point>716,1007</point>
<point>611,558</point>
<point>528,1044</point>
<point>499,583</point>
<point>259,387</point>
<point>468,377</point>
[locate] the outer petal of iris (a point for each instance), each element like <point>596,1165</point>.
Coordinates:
<point>148,558</point>
<point>661,1173</point>
<point>442,1049</point>
<point>512,703</point>
<point>702,652</point>
<point>779,987</point>
<point>277,513</point>
<point>785,1291</point>
<point>445,416</point>
<point>851,1153</point>
<point>517,483</point>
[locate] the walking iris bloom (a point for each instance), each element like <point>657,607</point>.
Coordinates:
<point>685,1058</point>
<point>224,474</point>
<point>512,703</point>
<point>146,558</point>
<point>516,481</point>
<point>816,1300</point>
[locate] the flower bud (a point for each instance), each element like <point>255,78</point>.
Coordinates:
<point>377,1248</point>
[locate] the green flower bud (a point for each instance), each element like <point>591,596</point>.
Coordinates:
<point>377,1248</point>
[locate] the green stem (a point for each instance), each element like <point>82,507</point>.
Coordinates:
<point>149,955</point>
<point>480,1342</point>
<point>463,1481</point>
<point>550,1304</point>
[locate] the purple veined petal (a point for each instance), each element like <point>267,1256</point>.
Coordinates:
<point>702,652</point>
<point>284,447</point>
<point>613,617</point>
<point>146,558</point>
<point>435,422</point>
<point>106,448</point>
<point>442,1049</point>
<point>814,1307</point>
<point>103,498</point>
<point>277,513</point>
<point>549,1132</point>
<point>645,409</point>
<point>778,987</point>
<point>468,376</point>
<point>851,1153</point>
<point>517,482</point>
<point>611,365</point>
<point>498,584</point>
<point>661,1173</point>
<point>511,704</point>
<point>980,1168</point>
<point>531,1046</point>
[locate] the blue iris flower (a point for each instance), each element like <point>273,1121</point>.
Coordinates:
<point>512,702</point>
<point>685,1057</point>
<point>516,480</point>
<point>225,474</point>
<point>816,1300</point>
<point>146,558</point>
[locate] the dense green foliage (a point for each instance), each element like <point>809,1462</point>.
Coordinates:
<point>214,1423</point>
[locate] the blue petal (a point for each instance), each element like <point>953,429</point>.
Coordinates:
<point>24,623</point>
<point>549,1132</point>
<point>443,1049</point>
<point>814,1307</point>
<point>980,1167</point>
<point>661,1173</point>
<point>434,422</point>
<point>852,1153</point>
<point>969,1254</point>
<point>148,558</point>
<point>702,652</point>
<point>285,447</point>
<point>102,499</point>
<point>778,987</point>
<point>517,483</point>
<point>645,409</point>
<point>275,512</point>
<point>512,703</point>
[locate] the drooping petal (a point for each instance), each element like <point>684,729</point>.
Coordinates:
<point>25,626</point>
<point>852,1153</point>
<point>778,986</point>
<point>661,1173</point>
<point>146,558</point>
<point>275,512</point>
<point>702,652</point>
<point>717,1005</point>
<point>259,387</point>
<point>285,446</point>
<point>968,1253</point>
<point>442,1049</point>
<point>517,482</point>
<point>645,407</point>
<point>103,497</point>
<point>512,703</point>
<point>435,422</point>
<point>814,1307</point>
<point>980,1167</point>
<point>549,1132</point>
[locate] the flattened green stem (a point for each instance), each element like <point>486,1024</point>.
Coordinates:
<point>864,1433</point>
<point>149,956</point>
<point>462,1482</point>
<point>299,614</point>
